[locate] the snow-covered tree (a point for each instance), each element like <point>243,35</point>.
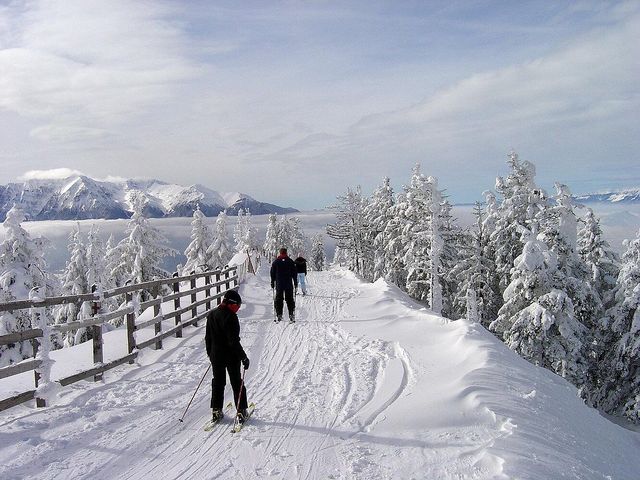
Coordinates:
<point>378,213</point>
<point>197,251</point>
<point>475,272</point>
<point>220,250</point>
<point>537,320</point>
<point>318,260</point>
<point>142,250</point>
<point>244,233</point>
<point>271,241</point>
<point>350,231</point>
<point>601,261</point>
<point>619,390</point>
<point>521,202</point>
<point>559,231</point>
<point>22,268</point>
<point>74,282</point>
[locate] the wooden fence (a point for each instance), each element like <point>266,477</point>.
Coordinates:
<point>216,283</point>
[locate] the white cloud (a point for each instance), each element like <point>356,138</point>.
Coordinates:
<point>87,65</point>
<point>51,174</point>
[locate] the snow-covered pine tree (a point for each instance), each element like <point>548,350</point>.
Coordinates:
<point>271,243</point>
<point>559,231</point>
<point>537,320</point>
<point>220,250</point>
<point>197,251</point>
<point>350,231</point>
<point>475,272</point>
<point>619,390</point>
<point>299,240</point>
<point>436,251</point>
<point>601,261</point>
<point>521,202</point>
<point>244,233</point>
<point>454,243</point>
<point>395,269</point>
<point>142,250</point>
<point>378,214</point>
<point>22,267</point>
<point>318,260</point>
<point>74,282</point>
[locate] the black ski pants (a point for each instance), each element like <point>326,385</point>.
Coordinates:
<point>281,296</point>
<point>220,370</point>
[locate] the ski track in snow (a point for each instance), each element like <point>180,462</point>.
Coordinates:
<point>326,408</point>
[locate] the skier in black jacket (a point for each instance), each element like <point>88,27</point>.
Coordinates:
<point>225,352</point>
<point>284,277</point>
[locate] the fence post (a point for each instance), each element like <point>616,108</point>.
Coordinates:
<point>226,277</point>
<point>207,292</point>
<point>157,327</point>
<point>218,287</point>
<point>194,310</point>
<point>131,325</point>
<point>40,402</point>
<point>176,306</point>
<point>96,334</point>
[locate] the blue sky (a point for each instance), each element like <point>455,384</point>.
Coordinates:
<point>292,102</point>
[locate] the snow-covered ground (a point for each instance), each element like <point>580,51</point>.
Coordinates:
<point>366,385</point>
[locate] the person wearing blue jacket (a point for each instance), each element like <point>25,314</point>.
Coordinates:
<point>284,278</point>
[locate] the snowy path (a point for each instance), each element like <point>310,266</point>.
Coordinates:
<point>334,394</point>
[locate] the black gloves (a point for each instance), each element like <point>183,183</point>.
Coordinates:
<point>273,284</point>
<point>245,363</point>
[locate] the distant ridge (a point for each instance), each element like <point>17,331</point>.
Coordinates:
<point>623,196</point>
<point>79,197</point>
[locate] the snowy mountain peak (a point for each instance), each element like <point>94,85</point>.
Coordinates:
<point>622,196</point>
<point>79,197</point>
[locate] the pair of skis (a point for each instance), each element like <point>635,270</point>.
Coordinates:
<point>237,426</point>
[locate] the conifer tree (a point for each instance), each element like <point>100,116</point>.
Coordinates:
<point>318,260</point>
<point>74,282</point>
<point>537,320</point>
<point>22,268</point>
<point>350,229</point>
<point>198,258</point>
<point>619,390</point>
<point>220,249</point>
<point>271,241</point>
<point>378,214</point>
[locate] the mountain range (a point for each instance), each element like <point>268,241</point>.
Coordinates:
<point>79,197</point>
<point>622,196</point>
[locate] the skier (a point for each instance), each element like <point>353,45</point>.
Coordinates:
<point>225,352</point>
<point>284,277</point>
<point>301,267</point>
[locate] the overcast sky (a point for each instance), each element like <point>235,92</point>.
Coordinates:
<point>292,102</point>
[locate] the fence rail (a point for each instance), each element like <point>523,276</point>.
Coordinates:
<point>218,282</point>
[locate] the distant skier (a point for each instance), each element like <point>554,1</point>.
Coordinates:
<point>284,278</point>
<point>301,267</point>
<point>225,352</point>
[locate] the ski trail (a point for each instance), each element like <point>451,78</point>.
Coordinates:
<point>325,400</point>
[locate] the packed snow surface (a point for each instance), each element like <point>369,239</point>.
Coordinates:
<point>366,385</point>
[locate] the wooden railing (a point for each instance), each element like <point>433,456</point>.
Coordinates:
<point>216,283</point>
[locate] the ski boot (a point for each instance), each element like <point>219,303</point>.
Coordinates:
<point>242,416</point>
<point>292,318</point>
<point>278,318</point>
<point>216,415</point>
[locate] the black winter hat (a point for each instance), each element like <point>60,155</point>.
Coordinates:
<point>231,296</point>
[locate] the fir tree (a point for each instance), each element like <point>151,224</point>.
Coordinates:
<point>378,213</point>
<point>318,260</point>
<point>350,231</point>
<point>22,268</point>
<point>220,250</point>
<point>537,320</point>
<point>198,258</point>
<point>271,242</point>
<point>620,382</point>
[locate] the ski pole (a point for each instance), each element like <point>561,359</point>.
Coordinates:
<point>235,422</point>
<point>273,295</point>
<point>194,394</point>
